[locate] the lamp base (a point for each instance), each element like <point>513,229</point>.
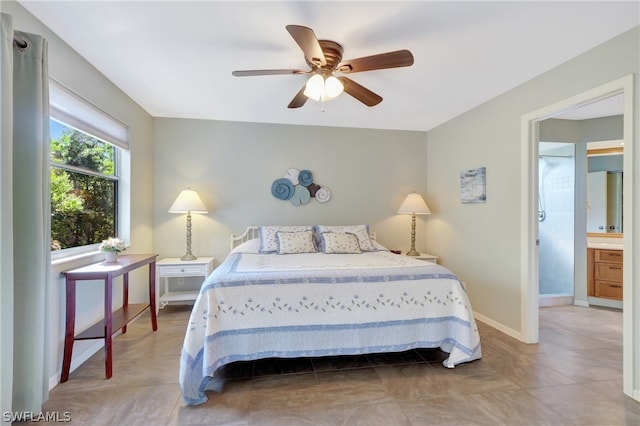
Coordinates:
<point>413,252</point>
<point>188,256</point>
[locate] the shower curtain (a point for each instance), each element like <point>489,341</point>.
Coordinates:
<point>25,258</point>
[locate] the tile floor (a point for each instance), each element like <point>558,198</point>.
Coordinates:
<point>573,377</point>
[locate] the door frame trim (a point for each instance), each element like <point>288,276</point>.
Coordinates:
<point>529,224</point>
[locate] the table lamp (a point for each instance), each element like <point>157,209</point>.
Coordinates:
<point>414,204</point>
<point>188,202</point>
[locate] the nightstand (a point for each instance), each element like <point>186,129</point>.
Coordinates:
<point>426,257</point>
<point>175,268</point>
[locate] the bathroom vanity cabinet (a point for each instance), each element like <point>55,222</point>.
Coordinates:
<point>604,273</point>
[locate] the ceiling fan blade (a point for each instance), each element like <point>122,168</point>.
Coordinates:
<point>249,73</point>
<point>359,92</point>
<point>399,58</point>
<point>308,42</point>
<point>299,99</point>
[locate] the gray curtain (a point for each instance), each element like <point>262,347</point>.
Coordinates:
<point>25,218</point>
<point>6,213</point>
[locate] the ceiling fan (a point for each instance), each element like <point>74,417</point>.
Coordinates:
<point>325,57</point>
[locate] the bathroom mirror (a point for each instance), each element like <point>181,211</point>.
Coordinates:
<point>604,191</point>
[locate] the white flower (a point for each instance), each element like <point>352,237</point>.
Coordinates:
<point>113,244</point>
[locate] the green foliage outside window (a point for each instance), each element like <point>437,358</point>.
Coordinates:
<point>83,189</point>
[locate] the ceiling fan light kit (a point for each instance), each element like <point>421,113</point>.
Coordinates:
<point>325,57</point>
<point>320,89</point>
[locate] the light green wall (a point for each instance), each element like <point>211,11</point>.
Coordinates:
<point>232,166</point>
<point>481,242</point>
<point>602,129</point>
<point>591,130</point>
<point>69,68</point>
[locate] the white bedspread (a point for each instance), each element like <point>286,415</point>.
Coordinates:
<point>308,305</point>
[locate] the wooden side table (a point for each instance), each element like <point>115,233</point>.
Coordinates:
<point>113,321</point>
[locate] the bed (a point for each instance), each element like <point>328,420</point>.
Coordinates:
<point>292,292</point>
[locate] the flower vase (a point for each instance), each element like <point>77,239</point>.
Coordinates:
<point>111,256</point>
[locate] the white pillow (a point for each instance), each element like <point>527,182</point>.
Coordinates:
<point>295,242</point>
<point>378,246</point>
<point>268,242</point>
<point>251,246</point>
<point>360,231</point>
<point>335,242</point>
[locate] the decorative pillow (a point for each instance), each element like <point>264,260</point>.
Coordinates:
<point>360,231</point>
<point>378,246</point>
<point>295,242</point>
<point>335,242</point>
<point>268,242</point>
<point>250,246</point>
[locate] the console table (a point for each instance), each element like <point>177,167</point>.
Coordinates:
<point>113,321</point>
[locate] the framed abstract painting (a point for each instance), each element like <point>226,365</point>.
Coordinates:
<point>473,186</point>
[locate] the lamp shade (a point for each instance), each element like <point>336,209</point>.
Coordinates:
<point>333,87</point>
<point>414,204</point>
<point>314,87</point>
<point>188,201</point>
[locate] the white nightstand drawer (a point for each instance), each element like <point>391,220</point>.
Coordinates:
<point>182,270</point>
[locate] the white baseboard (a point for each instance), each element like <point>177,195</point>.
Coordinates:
<point>78,359</point>
<point>80,355</point>
<point>582,303</point>
<point>498,326</point>
<point>555,300</point>
<point>607,303</point>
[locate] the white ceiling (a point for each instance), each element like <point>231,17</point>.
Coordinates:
<point>613,105</point>
<point>175,58</point>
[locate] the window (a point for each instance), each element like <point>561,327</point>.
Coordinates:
<point>84,187</point>
<point>87,149</point>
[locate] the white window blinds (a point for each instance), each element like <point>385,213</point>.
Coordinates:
<point>73,110</point>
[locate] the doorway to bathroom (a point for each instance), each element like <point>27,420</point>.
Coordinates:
<point>556,218</point>
<point>530,223</point>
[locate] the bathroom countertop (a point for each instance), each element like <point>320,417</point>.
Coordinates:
<point>608,245</point>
